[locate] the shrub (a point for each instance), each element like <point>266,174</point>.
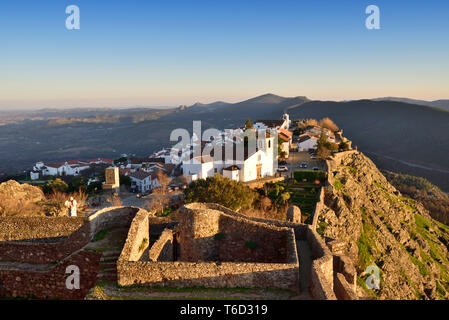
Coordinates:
<point>143,244</point>
<point>310,176</point>
<point>328,124</point>
<point>221,190</point>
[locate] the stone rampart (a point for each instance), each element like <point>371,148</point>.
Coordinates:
<point>204,272</point>
<point>162,249</point>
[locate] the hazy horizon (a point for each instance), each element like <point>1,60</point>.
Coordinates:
<point>208,101</point>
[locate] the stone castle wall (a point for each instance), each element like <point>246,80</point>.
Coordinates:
<point>35,251</point>
<point>207,234</point>
<point>321,275</point>
<point>51,284</point>
<point>24,228</point>
<point>214,274</point>
<point>260,182</point>
<point>162,249</point>
<point>49,245</point>
<point>45,240</point>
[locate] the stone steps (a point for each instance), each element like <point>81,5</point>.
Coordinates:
<point>108,265</point>
<point>107,259</point>
<point>112,253</point>
<point>107,275</point>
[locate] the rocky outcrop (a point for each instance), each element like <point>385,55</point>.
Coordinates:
<point>381,228</point>
<point>20,199</point>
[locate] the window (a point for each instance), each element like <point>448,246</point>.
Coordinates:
<point>269,144</point>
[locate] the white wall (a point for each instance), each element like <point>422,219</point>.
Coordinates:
<point>308,144</point>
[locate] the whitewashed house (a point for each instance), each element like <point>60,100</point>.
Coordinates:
<point>283,123</point>
<point>307,142</point>
<point>143,181</point>
<point>67,168</point>
<point>253,164</point>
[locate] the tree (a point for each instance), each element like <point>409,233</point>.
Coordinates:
<point>248,124</point>
<point>328,124</point>
<point>55,185</point>
<point>308,123</point>
<point>218,189</point>
<point>77,183</point>
<point>159,197</point>
<point>125,180</point>
<point>323,152</point>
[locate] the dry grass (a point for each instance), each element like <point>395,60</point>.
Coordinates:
<point>273,214</point>
<point>21,207</point>
<point>115,201</point>
<point>55,204</point>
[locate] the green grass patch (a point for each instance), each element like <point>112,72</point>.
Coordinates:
<point>143,244</point>
<point>365,243</point>
<point>422,269</point>
<point>338,184</point>
<point>321,228</point>
<point>100,235</point>
<point>352,170</point>
<point>165,212</point>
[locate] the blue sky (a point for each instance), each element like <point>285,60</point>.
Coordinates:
<point>130,53</point>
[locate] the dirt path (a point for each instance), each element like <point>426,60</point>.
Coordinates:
<point>305,263</point>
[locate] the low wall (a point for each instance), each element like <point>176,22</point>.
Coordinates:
<point>43,253</point>
<point>343,290</point>
<point>52,284</point>
<point>162,249</point>
<point>112,217</point>
<point>255,184</point>
<point>42,240</point>
<point>318,207</point>
<point>24,228</point>
<point>207,234</point>
<point>50,243</point>
<point>138,238</point>
<point>208,274</point>
<point>321,276</point>
<point>202,273</point>
<point>343,265</point>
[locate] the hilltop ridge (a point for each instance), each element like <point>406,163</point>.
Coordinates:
<point>381,227</point>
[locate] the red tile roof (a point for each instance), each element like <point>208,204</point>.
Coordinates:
<point>140,175</point>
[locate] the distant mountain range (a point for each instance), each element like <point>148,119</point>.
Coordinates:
<point>443,104</point>
<point>398,134</point>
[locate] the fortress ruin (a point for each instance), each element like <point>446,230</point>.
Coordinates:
<point>203,245</point>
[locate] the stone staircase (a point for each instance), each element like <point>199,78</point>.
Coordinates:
<point>108,265</point>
